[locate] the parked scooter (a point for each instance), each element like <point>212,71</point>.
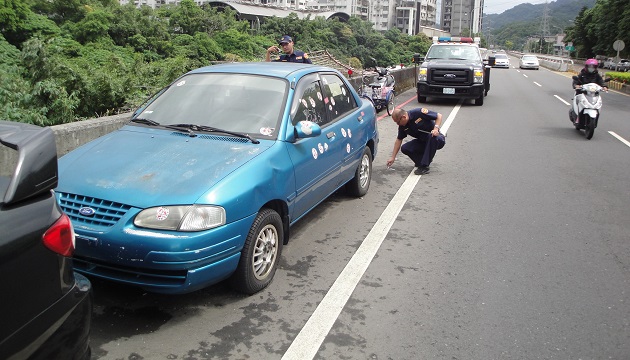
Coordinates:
<point>380,89</point>
<point>584,113</point>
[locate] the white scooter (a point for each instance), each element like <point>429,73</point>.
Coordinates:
<point>584,112</point>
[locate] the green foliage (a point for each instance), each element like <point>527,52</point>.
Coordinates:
<point>63,60</point>
<point>623,77</point>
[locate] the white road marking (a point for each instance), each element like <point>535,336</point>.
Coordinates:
<point>559,98</point>
<point>620,138</point>
<point>525,75</point>
<point>310,338</point>
<point>537,84</point>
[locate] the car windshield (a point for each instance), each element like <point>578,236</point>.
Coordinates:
<point>530,58</point>
<point>500,56</point>
<point>461,52</point>
<point>242,103</point>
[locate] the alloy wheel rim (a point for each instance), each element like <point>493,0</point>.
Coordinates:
<point>265,251</point>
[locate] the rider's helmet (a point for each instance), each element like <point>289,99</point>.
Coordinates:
<point>591,65</point>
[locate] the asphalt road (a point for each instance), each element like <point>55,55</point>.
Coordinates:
<point>515,246</point>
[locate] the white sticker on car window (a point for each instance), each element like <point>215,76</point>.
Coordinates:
<point>267,131</point>
<point>304,102</point>
<point>183,82</point>
<point>343,91</point>
<point>310,99</point>
<point>319,96</point>
<point>148,111</point>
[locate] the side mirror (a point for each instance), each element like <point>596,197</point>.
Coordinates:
<point>307,129</point>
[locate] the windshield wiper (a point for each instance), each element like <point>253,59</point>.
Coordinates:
<point>145,121</point>
<point>194,127</point>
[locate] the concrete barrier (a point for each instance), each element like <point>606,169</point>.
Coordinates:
<point>72,135</point>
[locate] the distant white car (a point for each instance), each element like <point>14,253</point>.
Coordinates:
<point>529,62</point>
<point>501,60</point>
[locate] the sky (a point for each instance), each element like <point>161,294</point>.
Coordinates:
<point>499,6</point>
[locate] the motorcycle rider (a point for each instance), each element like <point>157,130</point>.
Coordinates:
<point>589,74</point>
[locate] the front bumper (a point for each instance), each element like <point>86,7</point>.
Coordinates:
<point>461,92</point>
<point>161,261</point>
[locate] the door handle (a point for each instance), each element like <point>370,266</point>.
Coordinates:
<point>331,135</point>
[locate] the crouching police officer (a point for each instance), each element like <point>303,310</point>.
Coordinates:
<point>290,53</point>
<point>423,125</point>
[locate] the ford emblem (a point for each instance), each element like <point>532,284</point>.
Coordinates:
<point>87,211</point>
<point>450,76</point>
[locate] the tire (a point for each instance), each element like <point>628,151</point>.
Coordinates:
<point>422,99</point>
<point>589,131</point>
<point>479,100</point>
<point>260,253</point>
<point>360,183</point>
<point>391,105</point>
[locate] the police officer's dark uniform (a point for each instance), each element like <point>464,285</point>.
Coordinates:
<point>421,149</point>
<point>297,57</point>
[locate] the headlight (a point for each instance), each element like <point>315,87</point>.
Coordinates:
<point>181,218</point>
<point>422,75</point>
<point>478,76</point>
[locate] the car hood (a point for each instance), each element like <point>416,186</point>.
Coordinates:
<point>455,64</point>
<point>146,167</point>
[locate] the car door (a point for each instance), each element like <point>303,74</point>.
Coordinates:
<point>348,123</point>
<point>316,160</point>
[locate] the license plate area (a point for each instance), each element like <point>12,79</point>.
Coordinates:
<point>450,91</point>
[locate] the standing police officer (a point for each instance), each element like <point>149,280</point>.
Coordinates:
<point>424,126</point>
<point>290,54</point>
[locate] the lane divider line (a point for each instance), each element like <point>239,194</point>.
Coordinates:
<point>525,75</point>
<point>537,84</point>
<point>312,335</point>
<point>561,99</point>
<point>620,138</point>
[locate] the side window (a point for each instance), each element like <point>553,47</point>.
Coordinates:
<point>309,103</point>
<point>337,97</point>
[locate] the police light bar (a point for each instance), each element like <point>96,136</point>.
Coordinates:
<point>453,39</point>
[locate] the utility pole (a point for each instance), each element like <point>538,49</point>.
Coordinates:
<point>544,25</point>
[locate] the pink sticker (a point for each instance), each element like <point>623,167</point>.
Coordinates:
<point>162,213</point>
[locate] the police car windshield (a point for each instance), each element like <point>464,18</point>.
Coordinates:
<point>453,52</point>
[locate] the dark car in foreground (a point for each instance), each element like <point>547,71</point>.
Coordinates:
<point>45,308</point>
<point>204,181</point>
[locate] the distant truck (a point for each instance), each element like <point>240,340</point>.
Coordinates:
<point>453,68</point>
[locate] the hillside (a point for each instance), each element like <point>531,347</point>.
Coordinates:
<point>524,20</point>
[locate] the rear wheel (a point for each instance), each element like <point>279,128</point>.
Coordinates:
<point>259,256</point>
<point>360,184</point>
<point>391,105</point>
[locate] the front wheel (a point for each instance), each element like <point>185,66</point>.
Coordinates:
<point>479,100</point>
<point>391,105</point>
<point>260,253</point>
<point>422,99</point>
<point>589,130</point>
<point>360,183</point>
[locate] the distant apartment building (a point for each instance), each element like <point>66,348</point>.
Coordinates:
<point>462,16</point>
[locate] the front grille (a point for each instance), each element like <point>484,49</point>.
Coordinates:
<point>106,213</point>
<point>449,77</point>
<point>130,274</point>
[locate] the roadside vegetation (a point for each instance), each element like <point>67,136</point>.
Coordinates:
<point>66,60</point>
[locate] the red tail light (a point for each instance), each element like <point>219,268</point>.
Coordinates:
<point>60,236</point>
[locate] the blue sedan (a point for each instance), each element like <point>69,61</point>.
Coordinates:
<point>204,181</point>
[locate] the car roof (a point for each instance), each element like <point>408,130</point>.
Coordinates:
<point>284,70</point>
